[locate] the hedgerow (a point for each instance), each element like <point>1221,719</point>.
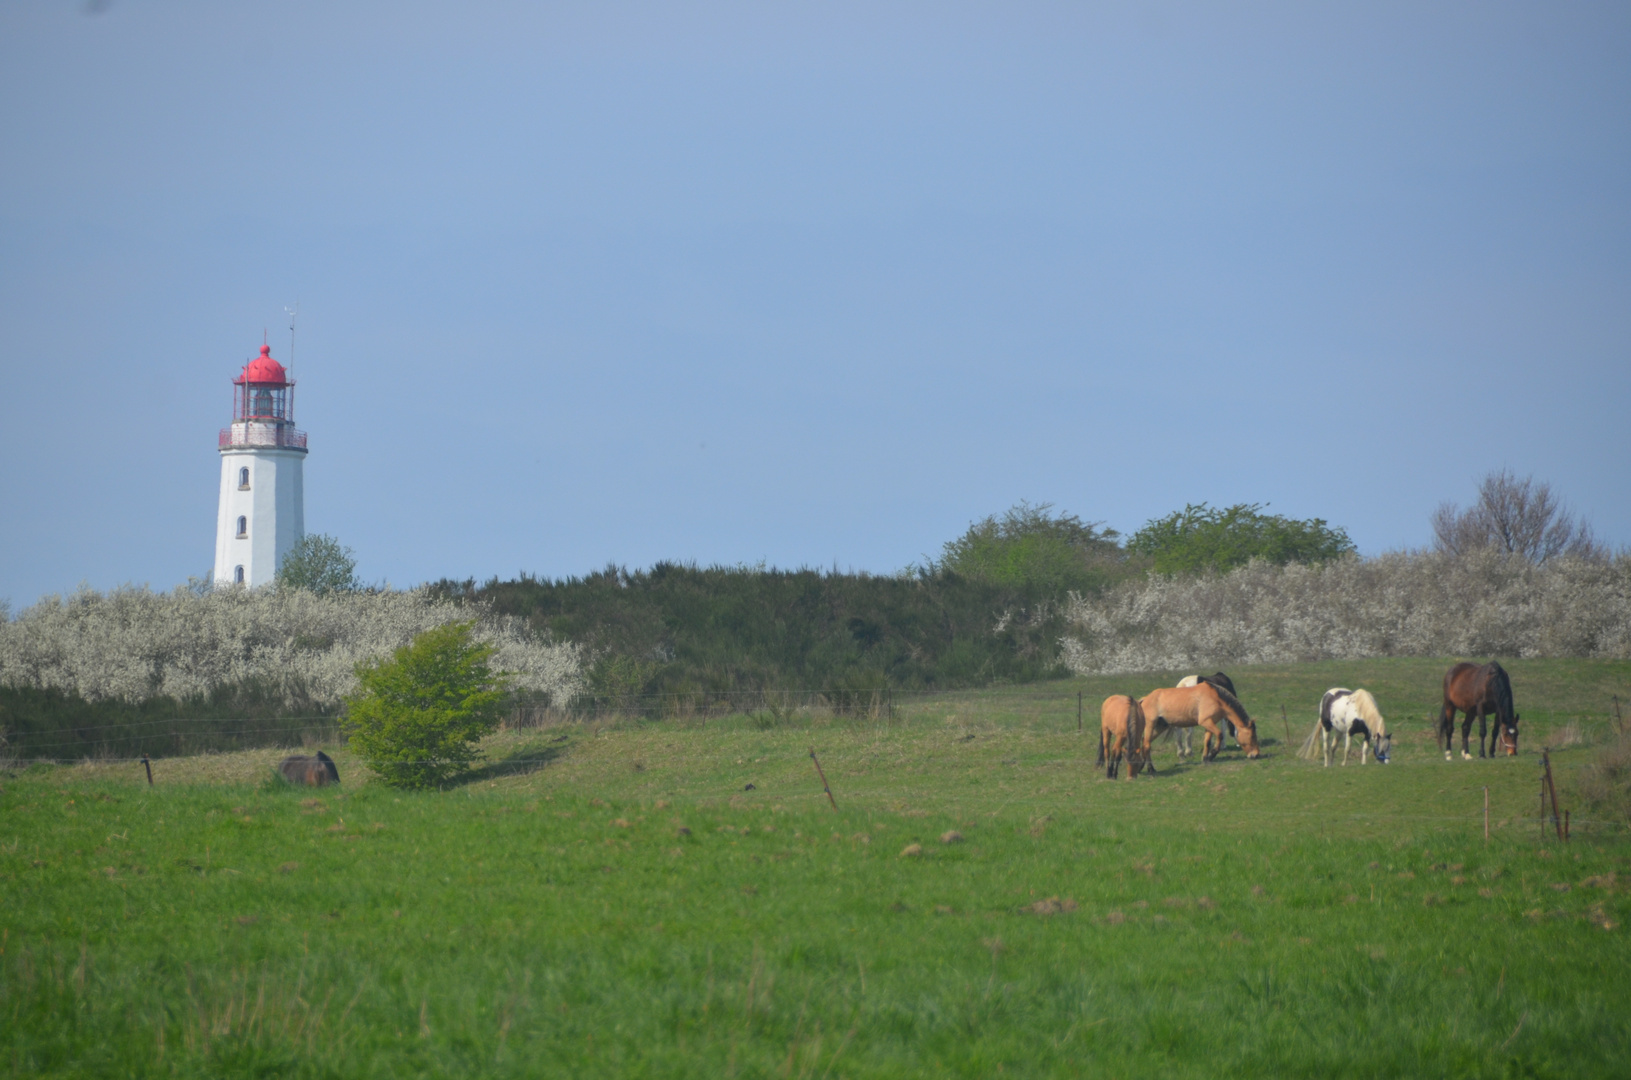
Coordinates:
<point>134,644</point>
<point>1482,603</point>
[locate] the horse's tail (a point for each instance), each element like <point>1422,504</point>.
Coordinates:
<point>1135,736</point>
<point>1310,747</point>
<point>1104,737</point>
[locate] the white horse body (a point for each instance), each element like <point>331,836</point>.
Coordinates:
<point>1348,713</point>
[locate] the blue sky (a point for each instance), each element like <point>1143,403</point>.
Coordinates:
<point>802,284</point>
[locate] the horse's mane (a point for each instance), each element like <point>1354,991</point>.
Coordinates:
<point>1233,704</point>
<point>1501,690</point>
<point>1365,706</point>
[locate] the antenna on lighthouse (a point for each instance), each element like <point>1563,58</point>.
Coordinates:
<point>293,312</point>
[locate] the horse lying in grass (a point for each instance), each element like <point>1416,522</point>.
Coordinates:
<point>1181,736</point>
<point>1478,691</point>
<point>1348,713</point>
<point>1203,706</point>
<point>303,771</point>
<point>1121,728</point>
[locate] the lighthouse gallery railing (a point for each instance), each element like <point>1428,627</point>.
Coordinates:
<point>263,435</point>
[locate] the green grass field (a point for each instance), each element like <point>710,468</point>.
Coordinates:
<point>608,900</point>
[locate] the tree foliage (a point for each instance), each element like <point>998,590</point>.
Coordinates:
<point>679,636</point>
<point>1034,551</point>
<point>321,564</point>
<point>1202,538</point>
<point>417,717</point>
<point>1519,517</point>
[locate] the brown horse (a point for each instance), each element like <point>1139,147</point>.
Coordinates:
<point>303,771</point>
<point>1203,706</point>
<point>1479,692</point>
<point>1121,727</point>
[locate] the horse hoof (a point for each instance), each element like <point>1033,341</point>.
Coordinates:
<point>1465,756</point>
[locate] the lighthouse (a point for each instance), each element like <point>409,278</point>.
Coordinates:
<point>262,512</point>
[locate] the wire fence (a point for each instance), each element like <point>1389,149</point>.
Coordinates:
<point>1036,707</point>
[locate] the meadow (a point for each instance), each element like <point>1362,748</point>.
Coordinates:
<point>629,897</point>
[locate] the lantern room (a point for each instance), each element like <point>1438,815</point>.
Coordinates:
<point>263,392</point>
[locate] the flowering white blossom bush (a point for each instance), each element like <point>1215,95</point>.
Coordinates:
<point>133,643</point>
<point>1483,603</point>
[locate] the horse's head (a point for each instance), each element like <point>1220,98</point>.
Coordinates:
<point>1384,747</point>
<point>1247,735</point>
<point>1509,736</point>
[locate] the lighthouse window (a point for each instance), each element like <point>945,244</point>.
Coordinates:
<point>243,527</point>
<point>238,575</point>
<point>263,403</point>
<point>243,479</point>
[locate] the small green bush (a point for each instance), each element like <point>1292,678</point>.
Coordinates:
<point>321,564</point>
<point>417,717</point>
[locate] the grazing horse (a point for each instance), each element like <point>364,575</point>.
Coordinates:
<point>303,771</point>
<point>1348,713</point>
<point>1181,736</point>
<point>1121,727</point>
<point>1479,692</point>
<point>1205,706</point>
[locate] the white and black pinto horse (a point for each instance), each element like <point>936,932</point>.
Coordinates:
<point>1348,713</point>
<point>1218,681</point>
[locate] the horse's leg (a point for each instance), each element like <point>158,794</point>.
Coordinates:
<point>1483,723</point>
<point>1446,730</point>
<point>1347,740</point>
<point>1466,733</point>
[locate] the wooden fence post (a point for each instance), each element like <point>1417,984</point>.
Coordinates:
<point>1486,813</point>
<point>149,767</point>
<point>822,774</point>
<point>1551,788</point>
<point>1287,723</point>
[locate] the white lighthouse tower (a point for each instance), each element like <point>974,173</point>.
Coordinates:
<point>263,513</point>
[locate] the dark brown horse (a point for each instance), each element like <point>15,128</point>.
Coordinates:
<point>303,771</point>
<point>1479,692</point>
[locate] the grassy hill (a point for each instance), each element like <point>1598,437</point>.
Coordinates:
<point>614,899</point>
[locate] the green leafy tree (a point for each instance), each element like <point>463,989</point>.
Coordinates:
<point>1201,538</point>
<point>1031,550</point>
<point>416,718</point>
<point>321,564</point>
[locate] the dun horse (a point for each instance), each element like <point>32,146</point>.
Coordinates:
<point>1121,728</point>
<point>303,771</point>
<point>1479,692</point>
<point>1181,736</point>
<point>1203,706</point>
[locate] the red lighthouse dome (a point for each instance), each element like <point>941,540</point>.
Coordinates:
<point>263,370</point>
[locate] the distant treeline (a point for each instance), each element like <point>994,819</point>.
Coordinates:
<point>693,634</point>
<point>990,609</point>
